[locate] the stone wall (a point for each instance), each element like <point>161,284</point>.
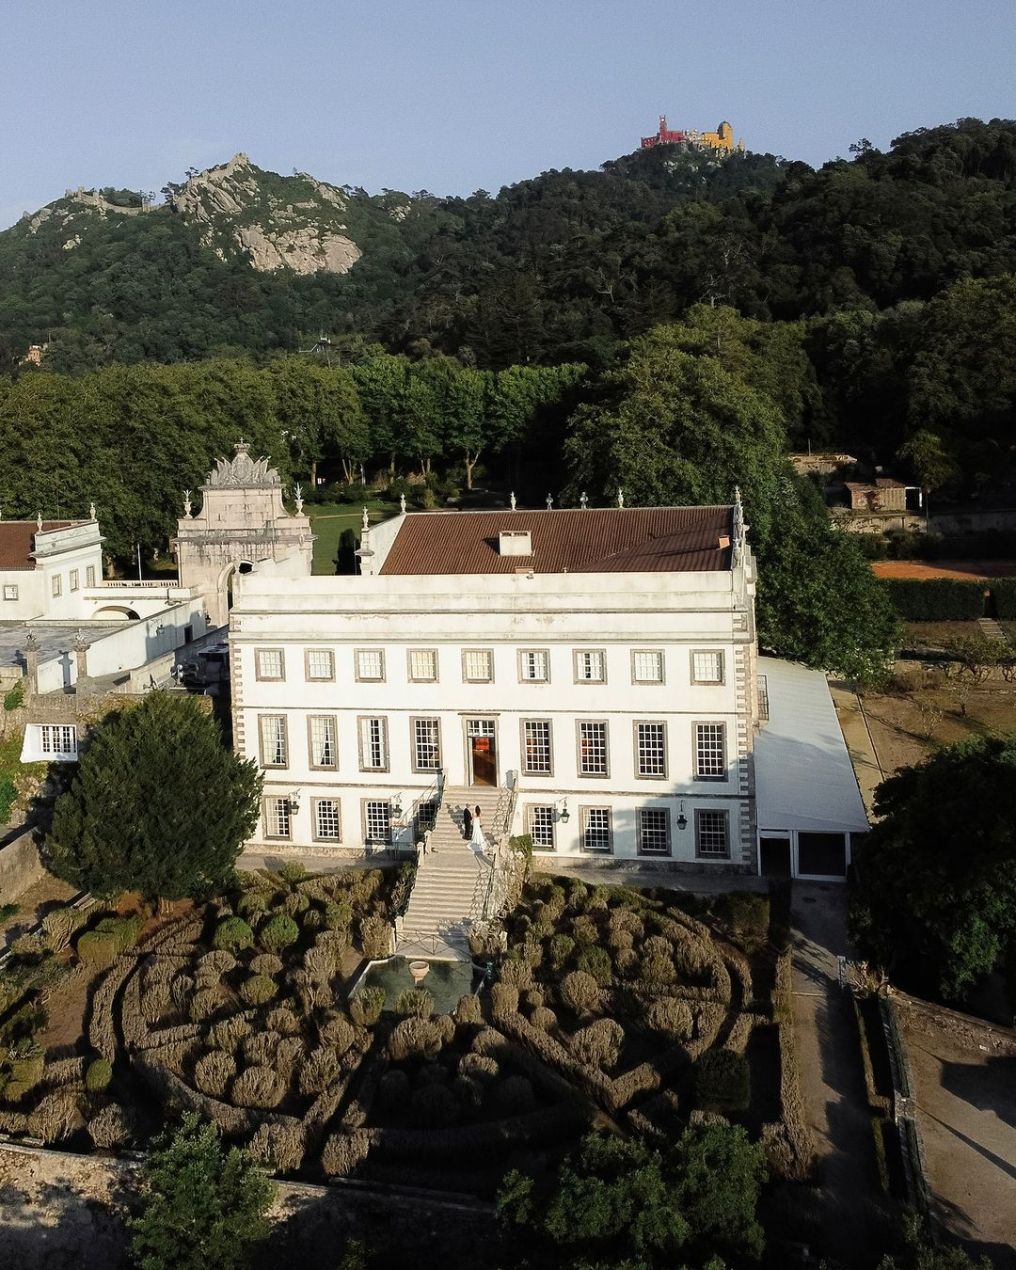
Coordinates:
<point>20,866</point>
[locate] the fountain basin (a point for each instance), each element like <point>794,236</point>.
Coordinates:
<point>446,981</point>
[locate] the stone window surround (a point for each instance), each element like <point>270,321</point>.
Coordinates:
<point>322,767</point>
<point>549,771</point>
<point>650,776</point>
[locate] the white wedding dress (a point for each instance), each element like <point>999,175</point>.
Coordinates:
<point>477,839</point>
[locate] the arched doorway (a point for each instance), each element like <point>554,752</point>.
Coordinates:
<point>116,613</point>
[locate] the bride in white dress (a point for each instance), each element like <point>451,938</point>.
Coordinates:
<point>477,839</point>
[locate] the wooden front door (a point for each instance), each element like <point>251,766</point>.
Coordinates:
<point>482,752</point>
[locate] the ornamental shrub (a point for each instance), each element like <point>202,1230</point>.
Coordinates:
<point>543,1018</point>
<point>468,1009</point>
<point>559,951</point>
<point>670,1016</point>
<point>580,991</point>
<point>375,938</point>
<point>96,949</point>
<point>596,962</point>
<point>278,1146</point>
<point>288,1055</point>
<point>479,1067</point>
<point>516,974</point>
<point>257,1087</point>
<point>657,969</point>
<point>533,998</point>
<point>216,964</point>
<point>320,962</point>
<point>98,1074</point>
<point>434,1107</point>
<point>365,1008</point>
<point>414,1003</point>
<point>626,963</point>
<point>504,1000</point>
<point>344,1152</point>
<point>393,1090</point>
<point>111,1128</point>
<point>125,931</point>
<point>468,1092</point>
<point>292,871</point>
<point>515,1096</point>
<point>722,1081</point>
<point>599,1044</point>
<point>203,1004</point>
<point>937,599</point>
<point>258,990</point>
<point>337,1033</point>
<point>213,1072</point>
<point>259,1049</point>
<point>25,1073</point>
<point>278,932</point>
<point>252,904</point>
<point>295,903</point>
<point>319,1072</point>
<point>414,1038</point>
<point>181,990</point>
<point>233,934</point>
<point>312,920</point>
<point>338,913</point>
<point>55,1118</point>
<point>585,931</point>
<point>282,1020</point>
<point>227,1034</point>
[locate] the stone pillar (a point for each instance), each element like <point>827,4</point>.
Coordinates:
<point>81,658</point>
<point>30,652</point>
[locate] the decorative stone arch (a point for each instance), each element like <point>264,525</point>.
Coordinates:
<point>122,611</point>
<point>224,584</point>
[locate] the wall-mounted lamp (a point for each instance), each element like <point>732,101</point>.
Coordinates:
<point>563,814</point>
<point>396,807</point>
<point>294,802</point>
<point>682,819</point>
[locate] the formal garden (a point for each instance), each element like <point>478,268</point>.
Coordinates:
<point>609,1008</point>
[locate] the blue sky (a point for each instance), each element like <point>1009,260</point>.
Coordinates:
<point>459,95</point>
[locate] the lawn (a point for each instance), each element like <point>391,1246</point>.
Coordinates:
<point>330,520</point>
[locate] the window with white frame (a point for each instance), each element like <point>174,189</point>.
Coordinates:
<point>647,666</point>
<point>590,666</point>
<point>712,833</point>
<point>593,748</point>
<point>58,740</point>
<point>707,666</point>
<point>596,832</point>
<point>477,665</point>
<point>278,818</point>
<point>274,746</point>
<point>540,821</point>
<point>374,744</point>
<point>653,829</point>
<point>320,663</point>
<point>327,819</point>
<point>426,745</point>
<point>323,742</point>
<point>377,820</point>
<point>57,585</point>
<point>651,749</point>
<point>425,815</point>
<point>10,591</point>
<point>74,579</point>
<point>269,663</point>
<point>90,575</point>
<point>537,752</point>
<point>370,665</point>
<point>534,665</point>
<point>710,751</point>
<point>423,665</point>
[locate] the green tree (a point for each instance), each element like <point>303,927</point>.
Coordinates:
<point>158,805</point>
<point>935,895</point>
<point>921,1252</point>
<point>202,1206</point>
<point>619,1202</point>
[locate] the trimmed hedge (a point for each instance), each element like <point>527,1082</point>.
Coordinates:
<point>937,599</point>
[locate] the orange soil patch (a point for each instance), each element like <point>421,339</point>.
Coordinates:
<point>962,570</point>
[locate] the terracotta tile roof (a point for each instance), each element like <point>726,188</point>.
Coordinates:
<point>17,541</point>
<point>600,540</point>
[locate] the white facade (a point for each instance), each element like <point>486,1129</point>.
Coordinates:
<point>620,704</point>
<point>45,572</point>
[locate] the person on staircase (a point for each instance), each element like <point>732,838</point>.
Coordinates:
<point>467,824</point>
<point>477,838</point>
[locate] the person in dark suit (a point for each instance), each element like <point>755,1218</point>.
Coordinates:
<point>467,823</point>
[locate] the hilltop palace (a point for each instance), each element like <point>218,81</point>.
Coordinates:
<point>586,676</point>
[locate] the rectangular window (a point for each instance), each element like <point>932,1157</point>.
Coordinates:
<point>426,745</point>
<point>534,665</point>
<point>712,838</point>
<point>269,663</point>
<point>423,665</point>
<point>477,665</point>
<point>710,751</point>
<point>651,749</point>
<point>90,575</point>
<point>370,665</point>
<point>590,666</point>
<point>374,745</point>
<point>58,739</point>
<point>593,749</point>
<point>278,820</point>
<point>319,664</point>
<point>274,746</point>
<point>654,831</point>
<point>647,666</point>
<point>57,585</point>
<point>377,820</point>
<point>74,579</point>
<point>537,754</point>
<point>324,750</point>
<point>327,819</point>
<point>540,826</point>
<point>425,816</point>
<point>10,591</point>
<point>707,666</point>
<point>596,832</point>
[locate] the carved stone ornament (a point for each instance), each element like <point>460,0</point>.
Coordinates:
<point>242,472</point>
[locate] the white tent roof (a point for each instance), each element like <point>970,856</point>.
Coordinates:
<point>804,779</point>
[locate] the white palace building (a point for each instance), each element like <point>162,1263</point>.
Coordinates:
<point>586,676</point>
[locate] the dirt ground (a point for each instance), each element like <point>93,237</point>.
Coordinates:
<point>962,570</point>
<point>964,1078</point>
<point>34,904</point>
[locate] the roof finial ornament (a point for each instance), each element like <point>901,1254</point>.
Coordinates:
<point>550,502</point>
<point>737,495</point>
<point>91,511</point>
<point>298,498</point>
<point>186,502</point>
<point>366,519</point>
<point>402,504</point>
<point>512,500</point>
<point>620,496</point>
<point>38,521</point>
<point>583,500</point>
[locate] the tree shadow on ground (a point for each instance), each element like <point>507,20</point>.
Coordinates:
<point>989,1086</point>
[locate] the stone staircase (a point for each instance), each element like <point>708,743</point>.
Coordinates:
<point>448,878</point>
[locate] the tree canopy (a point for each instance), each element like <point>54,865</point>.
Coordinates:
<point>935,900</point>
<point>158,805</point>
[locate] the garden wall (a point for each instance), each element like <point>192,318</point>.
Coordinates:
<point>20,866</point>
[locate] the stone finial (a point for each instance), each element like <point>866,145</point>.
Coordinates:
<point>38,521</point>
<point>366,518</point>
<point>298,498</point>
<point>187,502</point>
<point>80,643</point>
<point>550,502</point>
<point>583,500</point>
<point>31,643</point>
<point>91,511</point>
<point>80,647</point>
<point>512,500</point>
<point>620,496</point>
<point>402,504</point>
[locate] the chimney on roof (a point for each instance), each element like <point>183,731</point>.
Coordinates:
<point>724,541</point>
<point>515,542</point>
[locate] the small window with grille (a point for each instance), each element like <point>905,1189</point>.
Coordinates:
<point>707,666</point>
<point>327,819</point>
<point>274,745</point>
<point>534,665</point>
<point>426,745</point>
<point>590,666</point>
<point>374,744</point>
<point>593,759</point>
<point>477,665</point>
<point>320,664</point>
<point>654,831</point>
<point>540,824</point>
<point>323,747</point>
<point>536,751</point>
<point>370,665</point>
<point>59,740</point>
<point>596,831</point>
<point>710,751</point>
<point>278,821</point>
<point>712,833</point>
<point>651,749</point>
<point>647,666</point>
<point>269,663</point>
<point>422,665</point>
<point>377,820</point>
